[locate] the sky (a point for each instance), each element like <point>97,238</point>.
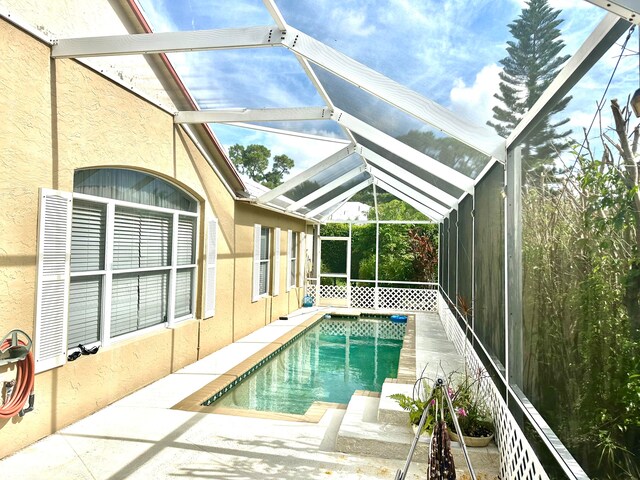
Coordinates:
<point>447,50</point>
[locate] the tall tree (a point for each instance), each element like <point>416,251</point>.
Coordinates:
<point>532,63</point>
<point>253,161</point>
<point>282,165</point>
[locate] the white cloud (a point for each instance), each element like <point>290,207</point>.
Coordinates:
<point>354,22</point>
<point>474,102</point>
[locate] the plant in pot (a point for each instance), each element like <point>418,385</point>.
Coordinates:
<point>473,415</point>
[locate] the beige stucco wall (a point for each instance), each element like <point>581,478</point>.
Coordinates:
<point>82,18</point>
<point>60,116</point>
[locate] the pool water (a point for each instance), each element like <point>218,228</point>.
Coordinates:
<point>328,363</point>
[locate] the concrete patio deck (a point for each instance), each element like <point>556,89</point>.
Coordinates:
<point>142,437</point>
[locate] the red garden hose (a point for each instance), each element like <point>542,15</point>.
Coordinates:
<point>24,383</point>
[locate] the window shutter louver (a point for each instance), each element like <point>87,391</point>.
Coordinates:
<point>276,262</point>
<point>302,258</point>
<point>212,253</point>
<point>54,247</point>
<point>289,240</point>
<point>256,262</point>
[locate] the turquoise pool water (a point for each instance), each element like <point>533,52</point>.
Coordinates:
<point>328,363</point>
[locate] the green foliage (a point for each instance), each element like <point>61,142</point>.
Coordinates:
<point>396,210</point>
<point>532,63</point>
<point>472,412</point>
<point>407,252</point>
<point>253,161</point>
<point>469,405</point>
<point>581,358</point>
<point>415,407</point>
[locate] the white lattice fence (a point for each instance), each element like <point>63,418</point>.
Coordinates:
<point>420,299</point>
<point>517,458</point>
<point>333,291</point>
<point>400,299</point>
<point>363,297</point>
<point>311,291</point>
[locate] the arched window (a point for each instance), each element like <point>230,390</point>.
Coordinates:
<point>133,254</point>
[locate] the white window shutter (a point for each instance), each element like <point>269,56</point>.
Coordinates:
<point>289,240</point>
<point>276,262</point>
<point>302,258</point>
<point>256,263</point>
<point>212,253</point>
<point>52,301</point>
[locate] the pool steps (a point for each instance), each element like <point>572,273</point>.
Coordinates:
<point>376,425</point>
<point>361,433</point>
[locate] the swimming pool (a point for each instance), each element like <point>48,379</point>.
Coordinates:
<point>328,363</point>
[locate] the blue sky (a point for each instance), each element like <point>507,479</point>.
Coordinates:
<point>449,51</point>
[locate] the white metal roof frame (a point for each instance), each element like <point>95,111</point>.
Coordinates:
<point>403,184</point>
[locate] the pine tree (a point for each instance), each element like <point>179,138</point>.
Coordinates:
<point>532,63</point>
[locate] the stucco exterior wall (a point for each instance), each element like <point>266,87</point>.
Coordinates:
<point>61,116</point>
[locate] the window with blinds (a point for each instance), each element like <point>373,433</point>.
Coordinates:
<point>264,261</point>
<point>126,261</point>
<point>293,260</point>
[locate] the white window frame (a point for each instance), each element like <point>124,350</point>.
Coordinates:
<point>292,258</point>
<point>277,233</point>
<point>172,269</point>
<point>211,269</point>
<point>258,261</point>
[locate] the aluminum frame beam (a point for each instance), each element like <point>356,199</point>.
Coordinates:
<point>339,198</point>
<point>167,42</point>
<point>275,13</point>
<point>479,137</point>
<point>375,159</point>
<point>308,173</point>
<point>410,191</point>
<point>601,39</point>
<point>627,9</point>
<point>403,150</point>
<point>436,217</point>
<point>327,188</point>
<point>252,115</point>
<point>513,302</point>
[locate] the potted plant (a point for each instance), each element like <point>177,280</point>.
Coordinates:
<point>472,414</point>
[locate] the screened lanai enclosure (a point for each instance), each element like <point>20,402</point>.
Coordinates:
<point>523,234</point>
